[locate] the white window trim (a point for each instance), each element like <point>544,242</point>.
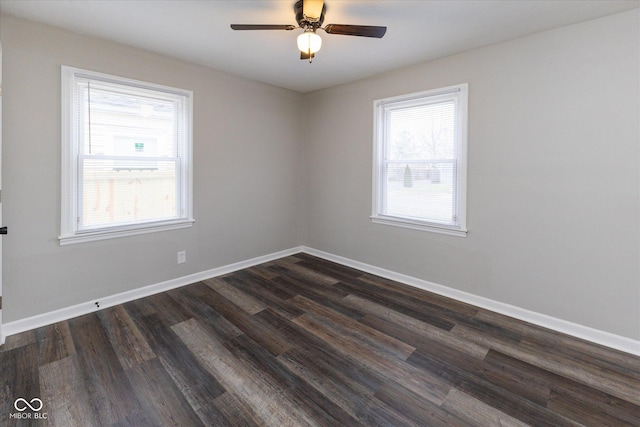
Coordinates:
<point>69,212</point>
<point>378,164</point>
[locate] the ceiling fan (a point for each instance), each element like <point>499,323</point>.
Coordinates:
<point>310,16</point>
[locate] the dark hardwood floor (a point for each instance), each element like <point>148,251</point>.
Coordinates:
<point>302,341</point>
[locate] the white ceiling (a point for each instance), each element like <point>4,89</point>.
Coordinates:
<point>417,31</point>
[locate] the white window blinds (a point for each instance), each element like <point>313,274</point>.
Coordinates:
<point>420,160</point>
<point>129,154</point>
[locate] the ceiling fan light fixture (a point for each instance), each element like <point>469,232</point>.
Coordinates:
<point>309,42</point>
<point>310,18</point>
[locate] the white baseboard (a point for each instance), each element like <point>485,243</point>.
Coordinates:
<point>594,335</point>
<point>607,339</point>
<point>51,317</point>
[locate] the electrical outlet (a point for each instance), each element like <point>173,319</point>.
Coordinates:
<point>182,257</point>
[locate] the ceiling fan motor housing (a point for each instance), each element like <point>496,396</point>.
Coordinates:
<point>306,21</point>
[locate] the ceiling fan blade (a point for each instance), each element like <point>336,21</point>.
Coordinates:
<point>305,55</point>
<point>312,8</point>
<point>262,27</point>
<point>356,30</point>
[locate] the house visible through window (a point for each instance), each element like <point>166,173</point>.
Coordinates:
<point>126,156</point>
<point>420,160</point>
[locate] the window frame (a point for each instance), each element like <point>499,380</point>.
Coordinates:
<point>70,140</point>
<point>380,107</point>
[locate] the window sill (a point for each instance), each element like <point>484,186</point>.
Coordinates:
<point>122,232</point>
<point>416,225</point>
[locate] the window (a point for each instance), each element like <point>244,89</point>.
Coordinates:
<point>126,157</point>
<point>420,145</point>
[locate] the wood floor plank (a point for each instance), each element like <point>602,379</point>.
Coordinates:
<point>354,331</point>
<point>234,412</point>
<point>109,390</point>
<point>296,335</point>
<point>522,378</point>
<point>420,294</point>
<point>246,302</point>
<point>247,324</point>
<point>476,412</point>
<point>515,406</point>
<point>296,388</point>
<point>162,304</point>
<point>197,384</point>
<point>423,383</point>
<point>135,419</point>
<point>572,347</point>
<point>330,297</point>
<point>266,292</point>
<point>200,393</point>
<point>54,342</point>
<point>18,379</point>
<point>396,302</point>
<point>319,353</point>
<point>8,374</point>
<point>268,403</point>
<point>593,360</point>
<point>598,402</point>
<point>615,385</point>
<point>160,398</point>
<point>439,312</point>
<point>64,394</point>
<point>416,341</point>
<point>262,289</point>
<point>304,341</point>
<point>287,260</point>
<point>308,275</point>
<point>127,341</point>
<point>329,267</point>
<point>469,376</point>
<point>341,388</point>
<point>414,407</point>
<point>410,328</point>
<point>18,340</point>
<point>537,384</point>
<point>264,270</point>
<point>585,413</point>
<point>27,381</point>
<point>193,298</point>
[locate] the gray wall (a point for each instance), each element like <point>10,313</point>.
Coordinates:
<point>553,176</point>
<point>247,174</point>
<point>553,188</point>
